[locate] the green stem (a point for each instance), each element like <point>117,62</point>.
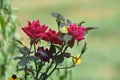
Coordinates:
<point>36,67</point>
<point>53,70</point>
<point>60,50</point>
<point>67,67</point>
<point>65,49</point>
<point>26,66</point>
<point>50,66</point>
<point>39,68</point>
<point>53,59</point>
<point>34,47</point>
<point>25,72</point>
<point>50,72</point>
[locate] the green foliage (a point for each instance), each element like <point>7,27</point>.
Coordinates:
<point>7,33</point>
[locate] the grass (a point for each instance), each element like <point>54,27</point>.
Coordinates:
<point>101,61</point>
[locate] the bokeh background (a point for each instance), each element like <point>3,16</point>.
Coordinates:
<point>102,58</point>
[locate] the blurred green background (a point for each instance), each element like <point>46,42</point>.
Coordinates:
<point>102,58</point>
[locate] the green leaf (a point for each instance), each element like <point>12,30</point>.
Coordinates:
<point>68,21</point>
<point>24,50</point>
<point>52,48</point>
<point>90,28</point>
<point>58,16</point>
<point>67,37</point>
<point>3,28</point>
<point>15,58</point>
<point>62,24</point>
<point>71,43</point>
<point>84,48</point>
<point>59,58</point>
<point>55,14</point>
<point>19,42</point>
<point>58,21</point>
<point>80,24</point>
<point>32,58</point>
<point>24,61</point>
<point>67,54</point>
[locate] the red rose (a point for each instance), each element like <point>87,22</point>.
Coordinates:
<point>34,30</point>
<point>52,36</point>
<point>76,31</point>
<point>43,54</point>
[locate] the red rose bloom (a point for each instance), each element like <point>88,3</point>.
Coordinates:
<point>76,31</point>
<point>34,30</point>
<point>43,54</point>
<point>52,36</point>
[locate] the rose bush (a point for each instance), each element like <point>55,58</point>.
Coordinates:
<point>48,59</point>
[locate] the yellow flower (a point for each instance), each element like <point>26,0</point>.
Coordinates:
<point>64,29</point>
<point>77,60</point>
<point>14,77</point>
